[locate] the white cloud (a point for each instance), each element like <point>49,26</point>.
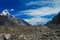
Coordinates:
<point>38,2</point>
<point>45,10</point>
<point>42,2</point>
<point>11,9</point>
<point>42,11</point>
<point>52,8</point>
<point>37,21</point>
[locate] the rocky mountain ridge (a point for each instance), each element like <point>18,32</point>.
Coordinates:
<point>7,19</point>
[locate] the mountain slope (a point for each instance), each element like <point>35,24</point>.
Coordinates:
<point>54,24</point>
<point>56,19</point>
<point>7,19</point>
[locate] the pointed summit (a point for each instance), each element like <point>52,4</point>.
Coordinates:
<point>5,12</point>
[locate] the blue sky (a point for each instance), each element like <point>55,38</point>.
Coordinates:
<point>32,11</point>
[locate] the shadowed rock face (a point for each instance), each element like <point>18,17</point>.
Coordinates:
<point>56,19</point>
<point>55,23</point>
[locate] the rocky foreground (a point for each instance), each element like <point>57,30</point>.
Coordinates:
<point>28,33</point>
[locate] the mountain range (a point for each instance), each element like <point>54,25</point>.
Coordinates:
<point>7,19</point>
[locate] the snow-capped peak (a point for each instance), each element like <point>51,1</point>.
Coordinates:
<point>5,12</point>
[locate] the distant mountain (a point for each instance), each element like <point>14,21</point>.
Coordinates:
<point>7,19</point>
<point>56,19</point>
<point>55,22</point>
